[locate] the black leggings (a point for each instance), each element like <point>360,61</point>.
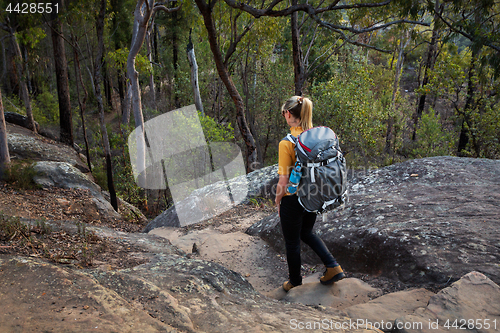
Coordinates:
<point>297,224</point>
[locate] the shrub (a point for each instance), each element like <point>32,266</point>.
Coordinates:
<point>21,175</point>
<point>432,140</point>
<point>46,108</point>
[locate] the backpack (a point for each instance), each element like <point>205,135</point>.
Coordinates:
<point>324,178</point>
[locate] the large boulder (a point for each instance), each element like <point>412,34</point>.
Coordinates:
<point>382,311</point>
<point>64,175</point>
<point>429,220</point>
<point>25,144</point>
<point>256,184</point>
<point>19,120</point>
<point>471,304</point>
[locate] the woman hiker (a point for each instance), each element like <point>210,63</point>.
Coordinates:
<point>296,223</point>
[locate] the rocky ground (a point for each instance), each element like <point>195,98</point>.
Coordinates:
<point>221,239</point>
<point>56,224</point>
<point>133,282</point>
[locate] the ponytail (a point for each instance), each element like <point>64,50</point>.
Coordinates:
<point>300,108</point>
<point>306,114</point>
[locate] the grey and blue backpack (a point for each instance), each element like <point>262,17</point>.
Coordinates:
<point>323,185</point>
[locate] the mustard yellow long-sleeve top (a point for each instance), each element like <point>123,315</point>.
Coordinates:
<point>286,153</point>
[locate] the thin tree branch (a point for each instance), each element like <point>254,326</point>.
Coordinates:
<point>465,34</point>
<point>308,72</point>
<point>353,6</point>
<point>313,13</point>
<point>321,55</point>
<point>311,43</point>
<point>232,46</point>
<point>299,7</point>
<point>165,9</point>
<point>373,28</point>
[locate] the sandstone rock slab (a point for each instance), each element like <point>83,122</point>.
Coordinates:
<point>471,304</point>
<point>24,144</point>
<point>36,296</point>
<point>429,220</point>
<point>389,307</point>
<point>171,293</point>
<point>64,175</point>
<point>341,294</point>
<point>199,205</point>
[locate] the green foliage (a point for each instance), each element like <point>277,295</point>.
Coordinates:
<point>13,104</point>
<point>125,185</point>
<point>46,109</point>
<point>487,121</point>
<point>21,175</point>
<point>31,37</point>
<point>121,24</point>
<point>455,76</point>
<point>118,60</point>
<point>99,174</point>
<point>432,139</point>
<point>347,104</point>
<point>214,131</point>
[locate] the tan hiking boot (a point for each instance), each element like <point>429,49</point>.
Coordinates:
<point>332,274</point>
<point>287,286</point>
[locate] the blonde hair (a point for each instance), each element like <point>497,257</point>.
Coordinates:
<point>301,108</point>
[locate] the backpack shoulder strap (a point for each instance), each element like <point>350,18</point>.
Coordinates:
<point>291,138</point>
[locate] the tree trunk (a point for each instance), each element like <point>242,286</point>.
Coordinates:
<point>428,67</point>
<point>155,43</point>
<point>108,86</point>
<point>194,75</point>
<point>4,62</point>
<point>469,106</point>
<point>121,90</point>
<point>175,60</point>
<point>98,81</point>
<point>248,94</point>
<point>392,113</point>
<point>127,104</point>
<point>4,148</point>
<point>298,64</point>
<point>152,89</point>
<point>23,87</point>
<point>81,103</point>
<point>11,83</point>
<point>251,151</point>
<point>61,67</point>
<point>141,19</point>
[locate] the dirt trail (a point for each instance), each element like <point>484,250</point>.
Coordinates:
<point>224,241</point>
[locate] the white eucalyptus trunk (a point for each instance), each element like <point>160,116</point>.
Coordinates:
<point>194,76</point>
<point>152,89</point>
<point>142,14</point>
